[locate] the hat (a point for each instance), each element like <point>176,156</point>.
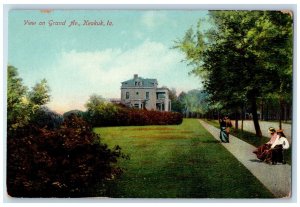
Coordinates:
<point>279,131</point>
<point>272,129</point>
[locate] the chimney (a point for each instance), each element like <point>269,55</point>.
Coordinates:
<point>135,76</point>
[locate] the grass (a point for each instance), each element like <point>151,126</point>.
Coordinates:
<point>182,161</point>
<point>252,139</point>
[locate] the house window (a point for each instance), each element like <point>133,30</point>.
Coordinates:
<point>160,95</point>
<point>137,83</point>
<point>147,95</point>
<point>127,95</point>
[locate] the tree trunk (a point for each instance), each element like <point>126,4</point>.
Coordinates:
<point>243,112</point>
<point>285,113</point>
<point>281,111</point>
<point>242,126</point>
<point>236,121</point>
<point>267,117</point>
<point>262,110</point>
<point>255,117</point>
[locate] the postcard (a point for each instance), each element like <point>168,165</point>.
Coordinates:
<point>163,104</point>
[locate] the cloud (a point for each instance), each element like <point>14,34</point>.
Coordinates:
<point>139,35</point>
<point>76,75</point>
<point>153,19</point>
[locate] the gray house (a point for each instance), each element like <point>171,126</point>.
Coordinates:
<point>143,93</point>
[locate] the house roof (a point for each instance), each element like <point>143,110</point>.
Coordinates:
<point>145,82</point>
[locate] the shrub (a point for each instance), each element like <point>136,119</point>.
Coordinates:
<point>76,112</point>
<point>122,116</point>
<point>44,117</point>
<point>65,162</point>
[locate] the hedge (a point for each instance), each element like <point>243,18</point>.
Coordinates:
<point>133,117</point>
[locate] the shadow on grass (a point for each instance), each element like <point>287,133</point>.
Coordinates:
<point>211,141</point>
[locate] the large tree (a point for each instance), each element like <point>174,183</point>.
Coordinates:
<point>17,114</point>
<point>243,56</point>
<point>21,103</point>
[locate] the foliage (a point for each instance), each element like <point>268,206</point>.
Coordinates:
<point>66,162</point>
<point>194,101</point>
<point>17,103</point>
<point>76,112</point>
<point>21,103</point>
<point>101,113</point>
<point>44,117</point>
<point>49,157</point>
<point>39,95</point>
<point>177,106</point>
<point>144,117</point>
<point>243,56</point>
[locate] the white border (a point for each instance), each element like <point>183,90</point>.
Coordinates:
<point>155,4</point>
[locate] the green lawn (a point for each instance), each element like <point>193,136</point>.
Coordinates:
<point>182,161</point>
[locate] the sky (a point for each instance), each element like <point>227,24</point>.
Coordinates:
<point>81,60</point>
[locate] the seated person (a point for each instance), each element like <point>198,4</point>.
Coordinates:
<point>280,144</point>
<point>262,152</point>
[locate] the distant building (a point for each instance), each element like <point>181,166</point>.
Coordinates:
<point>143,93</point>
<point>115,100</point>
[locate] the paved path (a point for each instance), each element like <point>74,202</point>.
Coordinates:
<point>264,126</point>
<point>276,178</point>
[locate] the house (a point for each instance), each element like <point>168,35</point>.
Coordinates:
<point>115,100</point>
<point>143,93</point>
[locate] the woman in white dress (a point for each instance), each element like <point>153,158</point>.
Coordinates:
<point>280,144</point>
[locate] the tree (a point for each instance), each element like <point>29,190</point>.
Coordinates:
<point>244,55</point>
<point>21,103</point>
<point>184,102</point>
<point>39,95</point>
<point>194,102</point>
<point>17,102</point>
<point>277,29</point>
<point>100,112</point>
<point>172,94</point>
<point>176,104</point>
<point>94,102</point>
<point>49,157</point>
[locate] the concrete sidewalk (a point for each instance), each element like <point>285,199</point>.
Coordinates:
<point>276,178</point>
<point>264,126</point>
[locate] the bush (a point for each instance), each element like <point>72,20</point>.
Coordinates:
<point>122,116</point>
<point>75,112</point>
<point>44,117</point>
<point>65,162</point>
